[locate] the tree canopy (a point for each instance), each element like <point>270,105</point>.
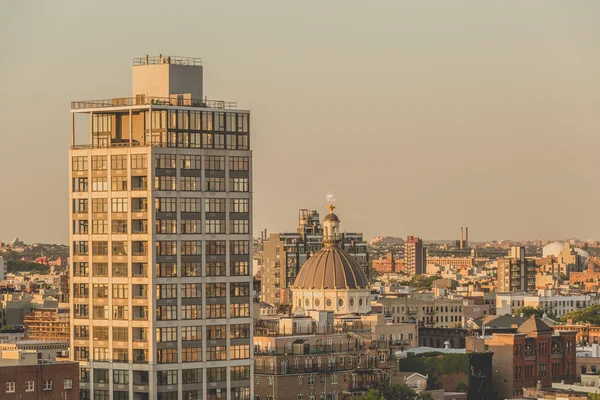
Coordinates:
<point>528,311</point>
<point>394,392</point>
<point>587,315</point>
<point>420,282</point>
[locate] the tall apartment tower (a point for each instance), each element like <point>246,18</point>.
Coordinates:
<point>415,262</point>
<point>515,272</point>
<point>161,240</point>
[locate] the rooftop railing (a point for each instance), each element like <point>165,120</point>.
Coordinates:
<point>156,101</point>
<point>161,59</point>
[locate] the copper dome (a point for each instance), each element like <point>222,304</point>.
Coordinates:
<point>331,268</point>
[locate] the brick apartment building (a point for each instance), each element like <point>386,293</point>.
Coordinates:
<point>320,363</point>
<point>24,377</point>
<point>531,353</point>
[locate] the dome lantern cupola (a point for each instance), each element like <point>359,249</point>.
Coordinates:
<point>331,226</point>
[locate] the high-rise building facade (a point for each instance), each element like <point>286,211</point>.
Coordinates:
<point>516,273</point>
<point>284,253</point>
<point>414,256</point>
<point>161,243</point>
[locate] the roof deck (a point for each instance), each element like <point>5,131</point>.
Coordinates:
<point>145,101</point>
<point>161,59</point>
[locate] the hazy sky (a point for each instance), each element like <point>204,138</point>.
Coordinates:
<point>420,116</point>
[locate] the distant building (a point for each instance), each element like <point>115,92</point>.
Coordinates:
<point>285,253</point>
<point>414,256</point>
<point>24,376</point>
<point>387,264</point>
<point>515,272</point>
<point>47,324</point>
<point>553,304</point>
<point>3,269</point>
<point>454,262</point>
<point>424,309</point>
<point>527,352</point>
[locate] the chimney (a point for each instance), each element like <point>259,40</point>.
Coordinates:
<point>467,236</point>
<point>460,243</point>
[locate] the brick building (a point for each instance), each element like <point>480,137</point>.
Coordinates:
<point>24,377</point>
<point>312,361</point>
<point>440,312</point>
<point>531,353</point>
<point>454,338</point>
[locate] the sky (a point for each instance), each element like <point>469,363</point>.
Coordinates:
<point>420,116</point>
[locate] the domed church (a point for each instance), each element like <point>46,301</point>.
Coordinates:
<point>331,279</point>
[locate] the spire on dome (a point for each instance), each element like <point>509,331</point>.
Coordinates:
<point>331,225</point>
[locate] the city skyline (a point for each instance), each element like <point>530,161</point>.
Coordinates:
<point>422,82</point>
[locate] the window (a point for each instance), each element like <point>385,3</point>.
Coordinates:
<point>214,163</point>
<point>190,183</point>
<point>214,226</point>
<point>99,226</point>
<point>118,162</point>
<point>216,353</point>
<point>166,204</point>
<point>139,161</point>
<point>120,334</point>
<point>10,387</point>
<point>239,268</point>
<point>193,311</point>
<point>80,206</point>
<point>120,291</point>
<point>191,269</point>
<point>192,375</point>
<point>165,270</point>
<point>68,383</point>
<point>191,290</point>
<point>100,312</point>
<point>168,334</point>
<point>240,247</point>
<point>218,374</point>
<point>100,291</point>
<point>239,205</point>
<point>239,289</point>
<point>239,163</point>
<point>191,205</point>
<point>120,312</point>
<point>191,247</point>
<point>190,162</point>
<point>191,226</point>
<point>100,248</point>
<point>29,386</point>
<point>191,333</point>
<point>167,356</point>
<point>166,161</point>
<point>166,377</point>
<point>99,205</point>
<point>165,183</point>
<point>80,227</point>
<point>239,331</point>
<point>213,184</point>
<point>119,205</point>
<point>79,164</point>
<point>167,248</point>
<point>119,248</point>
<point>80,184</point>
<point>99,184</point>
<point>120,376</point>
<point>239,184</point>
<point>239,310</point>
<point>214,205</point>
<point>118,183</point>
<point>215,247</point>
<point>240,352</point>
<point>166,291</point>
<point>166,313</point>
<point>237,226</point>
<point>215,332</point>
<point>119,269</point>
<point>166,226</point>
<point>215,290</point>
<point>215,268</point>
<point>215,311</point>
<point>99,163</point>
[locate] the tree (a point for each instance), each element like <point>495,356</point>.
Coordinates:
<point>420,282</point>
<point>587,315</point>
<point>394,392</point>
<point>528,311</point>
<point>372,394</point>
